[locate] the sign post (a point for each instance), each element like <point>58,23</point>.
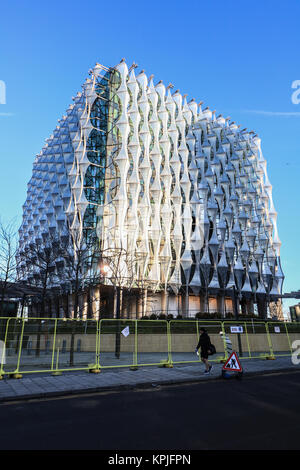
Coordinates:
<point>238,330</point>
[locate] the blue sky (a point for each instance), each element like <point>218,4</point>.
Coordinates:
<point>240,58</point>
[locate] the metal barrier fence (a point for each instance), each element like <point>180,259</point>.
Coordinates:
<point>56,345</point>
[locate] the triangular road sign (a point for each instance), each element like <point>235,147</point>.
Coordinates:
<point>233,363</point>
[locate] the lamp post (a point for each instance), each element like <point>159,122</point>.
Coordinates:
<point>236,315</point>
<point>118,334</point>
<point>105,270</point>
<point>117,265</point>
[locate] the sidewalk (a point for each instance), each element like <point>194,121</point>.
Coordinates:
<point>42,386</point>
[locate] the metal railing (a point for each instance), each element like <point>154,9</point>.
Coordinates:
<point>56,345</point>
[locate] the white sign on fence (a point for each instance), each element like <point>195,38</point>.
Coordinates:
<point>236,329</point>
<point>125,332</point>
<point>277,329</point>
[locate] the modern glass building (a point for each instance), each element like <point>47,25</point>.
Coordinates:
<point>183,193</point>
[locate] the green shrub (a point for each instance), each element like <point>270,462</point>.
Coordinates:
<point>153,316</point>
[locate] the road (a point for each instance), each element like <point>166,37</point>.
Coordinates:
<point>261,412</point>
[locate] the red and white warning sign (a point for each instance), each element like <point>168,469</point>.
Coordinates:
<point>233,363</point>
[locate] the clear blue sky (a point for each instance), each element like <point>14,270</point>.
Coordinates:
<point>240,58</point>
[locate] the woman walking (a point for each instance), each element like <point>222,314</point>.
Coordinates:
<point>205,345</point>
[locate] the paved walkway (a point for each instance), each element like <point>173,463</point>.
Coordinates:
<point>44,385</point>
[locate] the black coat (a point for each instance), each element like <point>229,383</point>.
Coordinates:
<point>204,342</point>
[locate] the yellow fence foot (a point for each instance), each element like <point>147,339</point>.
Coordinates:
<point>1,377</point>
<point>134,368</point>
<point>270,358</point>
<point>163,363</point>
<point>166,363</point>
<point>94,371</point>
<point>57,372</point>
<point>16,376</point>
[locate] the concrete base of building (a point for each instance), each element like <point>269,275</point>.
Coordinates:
<point>100,302</point>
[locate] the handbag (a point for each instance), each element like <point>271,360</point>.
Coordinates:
<point>212,349</point>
